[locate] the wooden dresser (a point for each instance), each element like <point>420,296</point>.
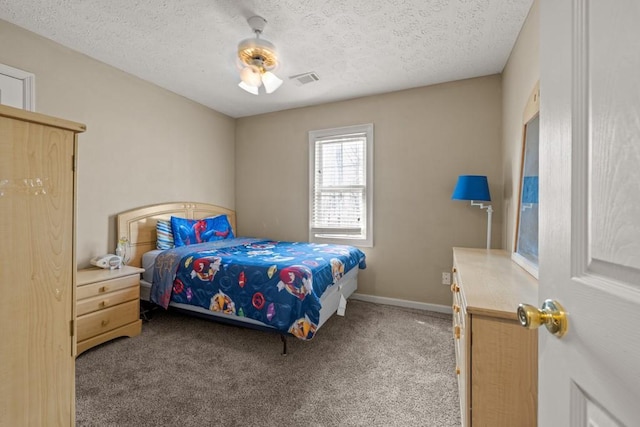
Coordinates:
<point>108,305</point>
<point>496,358</point>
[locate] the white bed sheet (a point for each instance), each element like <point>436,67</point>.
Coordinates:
<point>148,262</point>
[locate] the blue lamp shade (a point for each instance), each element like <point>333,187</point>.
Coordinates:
<point>472,187</point>
<point>530,189</point>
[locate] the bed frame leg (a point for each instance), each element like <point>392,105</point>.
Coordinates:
<point>146,311</point>
<point>284,344</point>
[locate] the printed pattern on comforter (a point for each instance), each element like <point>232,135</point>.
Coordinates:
<point>277,283</point>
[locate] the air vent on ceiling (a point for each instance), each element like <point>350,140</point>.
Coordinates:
<point>305,78</point>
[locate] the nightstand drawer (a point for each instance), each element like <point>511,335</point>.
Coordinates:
<point>103,287</point>
<point>107,300</point>
<point>105,320</point>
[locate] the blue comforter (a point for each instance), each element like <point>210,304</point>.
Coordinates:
<point>277,283</point>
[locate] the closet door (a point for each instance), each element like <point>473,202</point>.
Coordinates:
<point>36,273</point>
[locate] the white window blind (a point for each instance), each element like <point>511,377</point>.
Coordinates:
<point>339,194</point>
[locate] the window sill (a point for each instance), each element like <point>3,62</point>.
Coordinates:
<point>336,240</point>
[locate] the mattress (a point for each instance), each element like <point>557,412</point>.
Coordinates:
<point>148,263</point>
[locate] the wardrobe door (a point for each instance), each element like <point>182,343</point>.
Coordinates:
<point>37,272</point>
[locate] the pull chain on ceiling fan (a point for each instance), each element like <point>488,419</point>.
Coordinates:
<point>258,58</point>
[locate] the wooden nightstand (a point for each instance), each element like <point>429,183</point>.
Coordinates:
<point>107,305</point>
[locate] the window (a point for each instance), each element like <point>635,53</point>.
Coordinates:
<point>341,185</point>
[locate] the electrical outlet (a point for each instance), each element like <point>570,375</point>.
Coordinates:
<point>446,278</point>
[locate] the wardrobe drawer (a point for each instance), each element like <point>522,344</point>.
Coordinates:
<point>106,286</point>
<point>105,320</point>
<point>100,302</point>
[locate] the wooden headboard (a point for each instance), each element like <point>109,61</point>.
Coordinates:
<point>139,225</point>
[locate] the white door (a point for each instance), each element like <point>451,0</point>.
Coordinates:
<point>590,211</point>
<point>16,88</point>
<point>11,92</point>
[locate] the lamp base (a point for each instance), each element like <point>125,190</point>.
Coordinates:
<point>489,209</point>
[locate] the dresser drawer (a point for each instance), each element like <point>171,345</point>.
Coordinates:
<point>458,313</point>
<point>461,368</point>
<point>459,334</point>
<point>106,286</point>
<point>107,300</point>
<point>105,320</point>
<point>458,307</point>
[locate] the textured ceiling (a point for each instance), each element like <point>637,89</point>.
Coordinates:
<point>356,47</point>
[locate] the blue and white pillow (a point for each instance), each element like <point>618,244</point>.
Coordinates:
<point>164,235</point>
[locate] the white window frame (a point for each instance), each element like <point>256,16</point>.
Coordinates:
<point>316,235</point>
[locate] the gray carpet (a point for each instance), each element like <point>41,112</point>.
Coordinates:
<point>377,366</point>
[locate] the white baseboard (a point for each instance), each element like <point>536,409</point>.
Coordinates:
<point>402,303</point>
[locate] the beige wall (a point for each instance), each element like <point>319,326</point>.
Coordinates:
<point>424,139</point>
<point>128,156</point>
<point>518,79</point>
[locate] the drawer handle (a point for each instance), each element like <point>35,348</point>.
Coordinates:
<point>104,303</point>
<point>105,322</point>
<point>455,308</point>
<point>103,289</point>
<point>456,332</point>
<point>455,288</point>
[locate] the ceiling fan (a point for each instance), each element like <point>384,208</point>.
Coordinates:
<point>258,58</point>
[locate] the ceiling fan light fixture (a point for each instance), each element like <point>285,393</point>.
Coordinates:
<point>270,81</point>
<point>251,89</point>
<point>251,50</point>
<point>251,75</point>
<point>257,59</point>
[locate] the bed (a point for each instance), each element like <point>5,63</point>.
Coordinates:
<point>291,288</point>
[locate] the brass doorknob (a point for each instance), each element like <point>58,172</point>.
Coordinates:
<point>552,315</point>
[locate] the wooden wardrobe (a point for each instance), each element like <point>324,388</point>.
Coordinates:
<point>37,268</point>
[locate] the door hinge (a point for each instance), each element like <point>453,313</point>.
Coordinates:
<point>71,329</point>
<point>73,163</point>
